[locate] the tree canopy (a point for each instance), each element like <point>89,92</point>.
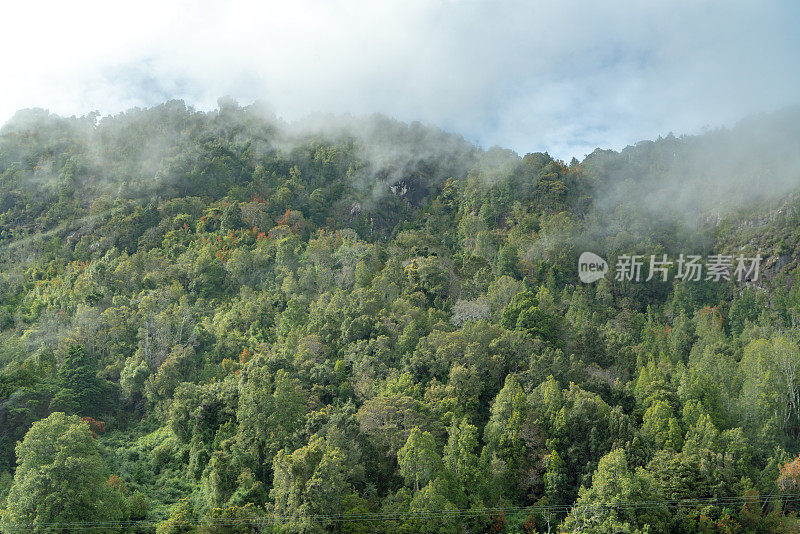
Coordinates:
<point>218,320</point>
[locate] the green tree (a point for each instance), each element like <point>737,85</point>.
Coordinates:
<point>60,478</point>
<point>81,391</point>
<point>461,454</point>
<point>661,427</point>
<point>770,398</point>
<point>524,313</point>
<point>602,508</point>
<point>418,459</point>
<point>311,481</point>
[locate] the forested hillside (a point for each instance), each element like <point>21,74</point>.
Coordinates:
<point>222,322</point>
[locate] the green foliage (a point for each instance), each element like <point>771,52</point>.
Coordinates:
<point>60,478</point>
<point>81,390</point>
<point>311,481</point>
<point>418,460</point>
<point>279,325</point>
<point>523,313</point>
<point>601,508</point>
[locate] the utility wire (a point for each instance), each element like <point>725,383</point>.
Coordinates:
<point>422,514</point>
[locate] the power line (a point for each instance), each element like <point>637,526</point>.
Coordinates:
<point>421,514</point>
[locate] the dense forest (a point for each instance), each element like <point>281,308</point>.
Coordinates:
<point>223,322</point>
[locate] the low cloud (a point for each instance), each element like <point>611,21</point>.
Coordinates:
<point>565,76</point>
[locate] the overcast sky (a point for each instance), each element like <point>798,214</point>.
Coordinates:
<point>565,76</point>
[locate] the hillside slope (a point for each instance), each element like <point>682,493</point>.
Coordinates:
<point>358,316</point>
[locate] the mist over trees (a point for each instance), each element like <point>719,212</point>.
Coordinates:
<point>222,322</point>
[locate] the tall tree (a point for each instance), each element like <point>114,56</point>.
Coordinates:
<point>60,479</point>
<point>418,460</point>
